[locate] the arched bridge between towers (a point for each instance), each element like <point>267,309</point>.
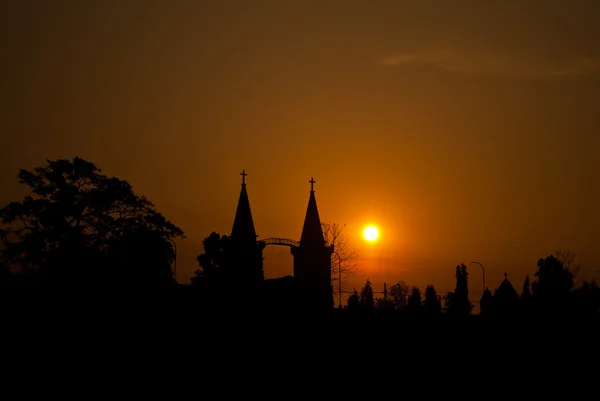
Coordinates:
<point>280,241</point>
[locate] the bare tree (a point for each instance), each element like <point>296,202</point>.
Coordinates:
<point>399,294</point>
<point>569,261</point>
<point>343,259</point>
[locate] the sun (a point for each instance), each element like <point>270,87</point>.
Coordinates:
<point>371,233</point>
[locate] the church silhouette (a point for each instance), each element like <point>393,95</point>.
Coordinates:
<point>311,281</point>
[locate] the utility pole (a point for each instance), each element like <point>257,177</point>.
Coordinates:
<point>339,277</point>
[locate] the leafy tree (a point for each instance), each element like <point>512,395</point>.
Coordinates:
<point>354,300</point>
<point>414,300</point>
<point>77,220</point>
<point>554,281</point>
<point>343,259</point>
<point>552,276</point>
<point>432,304</point>
<point>142,256</point>
<point>458,302</point>
<point>212,261</point>
<point>384,303</point>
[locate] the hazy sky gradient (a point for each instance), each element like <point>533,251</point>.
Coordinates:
<point>464,129</point>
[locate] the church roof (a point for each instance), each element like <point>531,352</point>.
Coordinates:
<point>312,232</point>
<point>506,291</point>
<point>243,226</point>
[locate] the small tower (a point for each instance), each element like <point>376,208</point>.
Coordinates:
<point>244,254</point>
<point>312,259</point>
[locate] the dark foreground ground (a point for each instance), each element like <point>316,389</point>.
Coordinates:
<point>182,304</point>
<point>240,337</point>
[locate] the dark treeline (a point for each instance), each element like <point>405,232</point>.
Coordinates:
<point>83,241</point>
<point>551,295</point>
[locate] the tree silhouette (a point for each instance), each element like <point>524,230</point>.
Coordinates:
<point>526,293</point>
<point>354,300</point>
<point>432,304</point>
<point>384,304</point>
<point>458,302</point>
<point>587,299</point>
<point>399,294</point>
<point>212,261</point>
<point>142,256</point>
<point>74,219</point>
<point>343,259</point>
<point>414,300</point>
<point>569,261</point>
<point>552,276</point>
<point>367,298</point>
<point>554,281</point>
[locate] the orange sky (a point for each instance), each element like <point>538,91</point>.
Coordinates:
<point>465,129</point>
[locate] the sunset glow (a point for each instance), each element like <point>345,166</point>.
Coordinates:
<point>371,233</point>
<point>419,137</point>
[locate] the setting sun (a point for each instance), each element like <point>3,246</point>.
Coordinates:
<point>371,233</point>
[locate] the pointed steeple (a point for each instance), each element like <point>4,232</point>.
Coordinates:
<point>243,226</point>
<point>312,260</point>
<point>312,233</point>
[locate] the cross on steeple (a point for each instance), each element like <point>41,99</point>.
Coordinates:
<point>243,174</point>
<point>505,276</point>
<point>312,183</point>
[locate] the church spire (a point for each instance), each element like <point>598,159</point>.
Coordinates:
<point>243,225</point>
<point>312,260</point>
<point>312,233</point>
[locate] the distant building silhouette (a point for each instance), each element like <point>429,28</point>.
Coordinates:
<point>505,302</point>
<point>506,298</point>
<point>312,258</point>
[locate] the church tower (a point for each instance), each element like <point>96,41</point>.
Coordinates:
<point>312,259</point>
<point>244,253</point>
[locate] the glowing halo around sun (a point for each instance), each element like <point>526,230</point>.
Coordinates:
<point>371,233</point>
